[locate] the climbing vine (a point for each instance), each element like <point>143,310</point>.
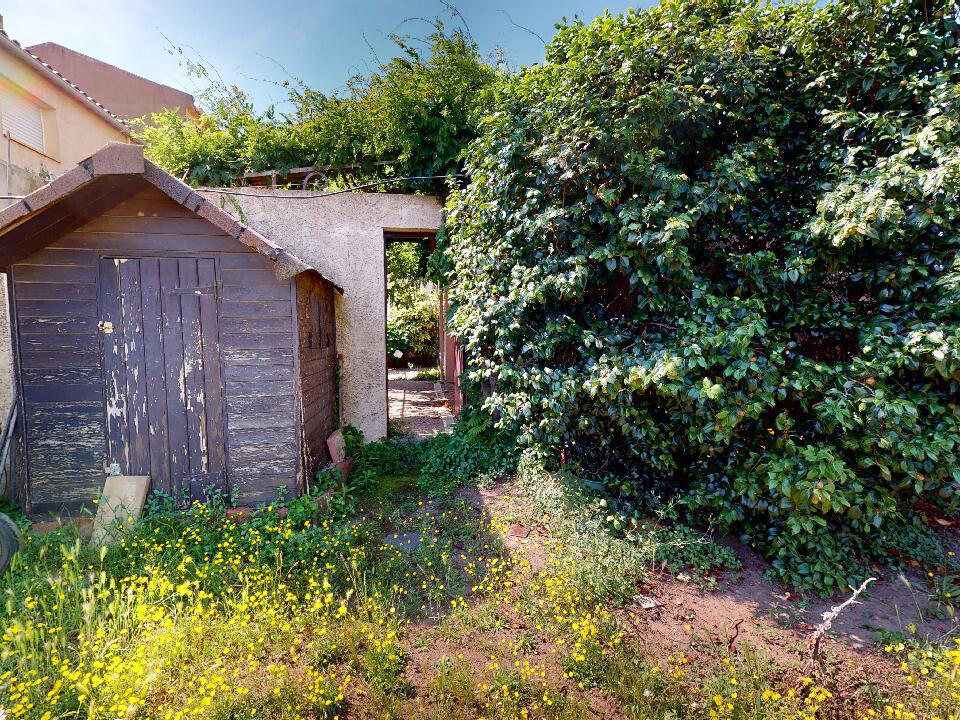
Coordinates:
<point>709,253</point>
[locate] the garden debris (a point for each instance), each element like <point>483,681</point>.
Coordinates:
<point>518,531</point>
<point>645,602</point>
<point>84,524</point>
<point>120,506</point>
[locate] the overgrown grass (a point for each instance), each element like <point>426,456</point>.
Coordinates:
<point>607,563</point>
<point>194,614</point>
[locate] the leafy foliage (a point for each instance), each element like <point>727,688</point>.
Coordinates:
<point>710,252</point>
<point>473,451</point>
<point>413,329</point>
<point>416,112</point>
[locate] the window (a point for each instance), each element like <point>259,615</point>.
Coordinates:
<point>22,118</point>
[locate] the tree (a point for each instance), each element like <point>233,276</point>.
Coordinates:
<point>416,112</point>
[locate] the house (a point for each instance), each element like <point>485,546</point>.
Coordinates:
<point>126,94</point>
<point>48,123</point>
<point>155,335</point>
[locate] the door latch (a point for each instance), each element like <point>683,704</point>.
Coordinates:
<point>106,327</point>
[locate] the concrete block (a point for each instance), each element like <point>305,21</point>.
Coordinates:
<point>337,447</point>
<point>120,507</point>
<point>166,183</point>
<point>61,187</point>
<point>220,219</point>
<point>12,213</point>
<point>118,159</point>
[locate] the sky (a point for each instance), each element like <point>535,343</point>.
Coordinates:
<point>256,43</point>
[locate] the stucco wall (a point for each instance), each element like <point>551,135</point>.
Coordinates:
<point>342,236</point>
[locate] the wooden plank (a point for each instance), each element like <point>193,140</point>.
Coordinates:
<point>152,306</point>
<point>268,309</point>
<point>257,389</point>
<point>114,366</point>
<point>55,291</point>
<point>255,373</point>
<point>278,341</point>
<point>188,225</point>
<point>255,325</point>
<point>251,420</point>
<point>65,216</point>
<point>133,243</point>
<point>57,308</point>
<point>138,429</point>
<point>152,203</point>
<point>56,359</point>
<point>62,343</point>
<point>50,256</point>
<point>245,277</point>
<point>58,326</point>
<point>256,293</point>
<point>61,377</point>
<point>173,373</point>
<point>249,260</point>
<point>212,387</point>
<point>69,458</point>
<point>195,400</point>
<point>254,404</point>
<point>66,445</point>
<point>253,491</point>
<point>62,393</point>
<point>272,356</point>
<point>85,274</point>
<point>267,464</point>
<point>92,410</point>
<point>259,436</point>
<point>245,454</point>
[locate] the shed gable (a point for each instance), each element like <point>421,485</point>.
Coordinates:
<point>76,406</point>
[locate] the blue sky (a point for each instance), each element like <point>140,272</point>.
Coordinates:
<point>251,42</point>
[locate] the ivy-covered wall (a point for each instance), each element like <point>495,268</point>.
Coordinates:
<point>709,253</point>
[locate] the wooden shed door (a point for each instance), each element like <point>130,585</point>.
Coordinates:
<point>164,409</point>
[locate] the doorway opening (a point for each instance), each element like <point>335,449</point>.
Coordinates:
<point>420,397</point>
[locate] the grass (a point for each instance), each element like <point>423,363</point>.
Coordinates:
<point>196,615</point>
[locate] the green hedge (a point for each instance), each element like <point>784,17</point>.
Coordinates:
<point>709,252</point>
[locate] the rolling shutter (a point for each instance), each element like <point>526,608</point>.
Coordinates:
<point>22,118</point>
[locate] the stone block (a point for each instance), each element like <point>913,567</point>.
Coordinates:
<point>120,506</point>
<point>337,447</point>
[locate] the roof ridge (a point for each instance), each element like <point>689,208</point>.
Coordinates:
<point>107,64</point>
<point>117,158</point>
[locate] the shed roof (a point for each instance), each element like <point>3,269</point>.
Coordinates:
<point>113,174</point>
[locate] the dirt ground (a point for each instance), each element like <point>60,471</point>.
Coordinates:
<point>746,609</point>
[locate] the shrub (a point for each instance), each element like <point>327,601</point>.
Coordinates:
<point>473,451</point>
<point>413,330</point>
<point>710,252</point>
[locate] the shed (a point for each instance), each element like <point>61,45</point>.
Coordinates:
<point>156,335</point>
